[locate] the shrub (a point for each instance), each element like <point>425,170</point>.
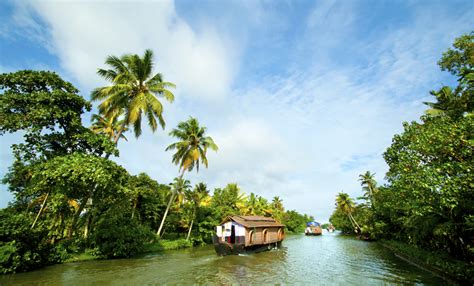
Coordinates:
<point>117,235</point>
<point>22,248</point>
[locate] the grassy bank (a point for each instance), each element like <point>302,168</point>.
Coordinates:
<point>164,244</point>
<point>439,263</point>
<point>157,246</point>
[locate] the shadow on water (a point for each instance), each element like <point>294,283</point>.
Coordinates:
<point>329,259</point>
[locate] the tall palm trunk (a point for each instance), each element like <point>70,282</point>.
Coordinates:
<point>88,224</point>
<point>168,207</point>
<point>166,212</point>
<point>41,210</point>
<point>119,134</point>
<point>190,228</point>
<point>355,222</point>
<point>372,199</point>
<point>134,208</point>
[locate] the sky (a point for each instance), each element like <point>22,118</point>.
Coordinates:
<point>300,96</point>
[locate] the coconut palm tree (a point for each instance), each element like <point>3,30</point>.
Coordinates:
<point>195,197</point>
<point>369,185</point>
<point>448,102</point>
<point>191,150</point>
<point>277,208</point>
<point>277,203</point>
<point>110,126</point>
<point>346,205</point>
<point>133,90</point>
<point>179,187</point>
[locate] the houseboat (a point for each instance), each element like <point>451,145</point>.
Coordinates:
<point>244,234</point>
<point>313,228</point>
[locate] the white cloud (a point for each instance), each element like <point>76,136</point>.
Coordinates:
<point>83,34</point>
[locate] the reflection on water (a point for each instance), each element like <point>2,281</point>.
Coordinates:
<point>329,259</point>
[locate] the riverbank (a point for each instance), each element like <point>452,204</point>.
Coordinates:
<point>156,246</point>
<point>440,264</point>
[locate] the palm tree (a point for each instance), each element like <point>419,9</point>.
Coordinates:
<point>196,196</point>
<point>110,126</point>
<point>277,203</point>
<point>178,187</point>
<point>369,185</point>
<point>237,199</point>
<point>134,90</point>
<point>346,205</point>
<point>191,150</point>
<point>448,102</point>
<point>277,208</point>
<point>250,206</point>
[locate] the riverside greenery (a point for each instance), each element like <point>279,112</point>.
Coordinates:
<point>428,200</point>
<point>71,200</point>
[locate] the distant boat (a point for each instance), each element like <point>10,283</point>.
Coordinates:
<point>244,234</point>
<point>313,228</point>
<point>331,228</point>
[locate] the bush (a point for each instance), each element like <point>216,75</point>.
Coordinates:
<point>117,235</point>
<point>164,244</point>
<point>22,248</point>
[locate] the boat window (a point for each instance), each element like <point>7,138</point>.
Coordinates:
<point>251,233</point>
<point>280,234</point>
<point>265,233</point>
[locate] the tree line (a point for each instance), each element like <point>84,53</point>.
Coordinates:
<point>69,197</point>
<point>428,198</point>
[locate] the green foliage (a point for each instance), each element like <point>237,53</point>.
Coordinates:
<point>163,244</point>
<point>431,183</point>
<point>227,201</point>
<point>49,110</point>
<point>459,61</point>
<point>461,58</point>
<point>21,248</point>
<point>296,222</point>
<point>134,91</point>
<point>192,145</point>
<point>118,235</point>
<point>39,99</point>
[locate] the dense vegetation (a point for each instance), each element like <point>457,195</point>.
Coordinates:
<point>70,198</point>
<point>428,200</point>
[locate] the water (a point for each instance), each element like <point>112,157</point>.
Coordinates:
<point>329,259</point>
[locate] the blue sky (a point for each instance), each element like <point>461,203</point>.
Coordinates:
<point>300,96</point>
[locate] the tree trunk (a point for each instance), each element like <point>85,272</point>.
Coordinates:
<point>75,218</point>
<point>41,210</point>
<point>134,208</point>
<point>166,213</point>
<point>355,222</point>
<point>168,208</point>
<point>119,134</point>
<point>190,228</point>
<point>88,225</point>
<point>89,214</point>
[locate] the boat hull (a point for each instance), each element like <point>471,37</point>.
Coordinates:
<point>313,231</point>
<point>224,248</point>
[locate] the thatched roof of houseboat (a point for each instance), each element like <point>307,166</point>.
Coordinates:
<point>253,221</point>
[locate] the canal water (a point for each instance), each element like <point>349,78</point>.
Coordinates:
<point>329,259</point>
